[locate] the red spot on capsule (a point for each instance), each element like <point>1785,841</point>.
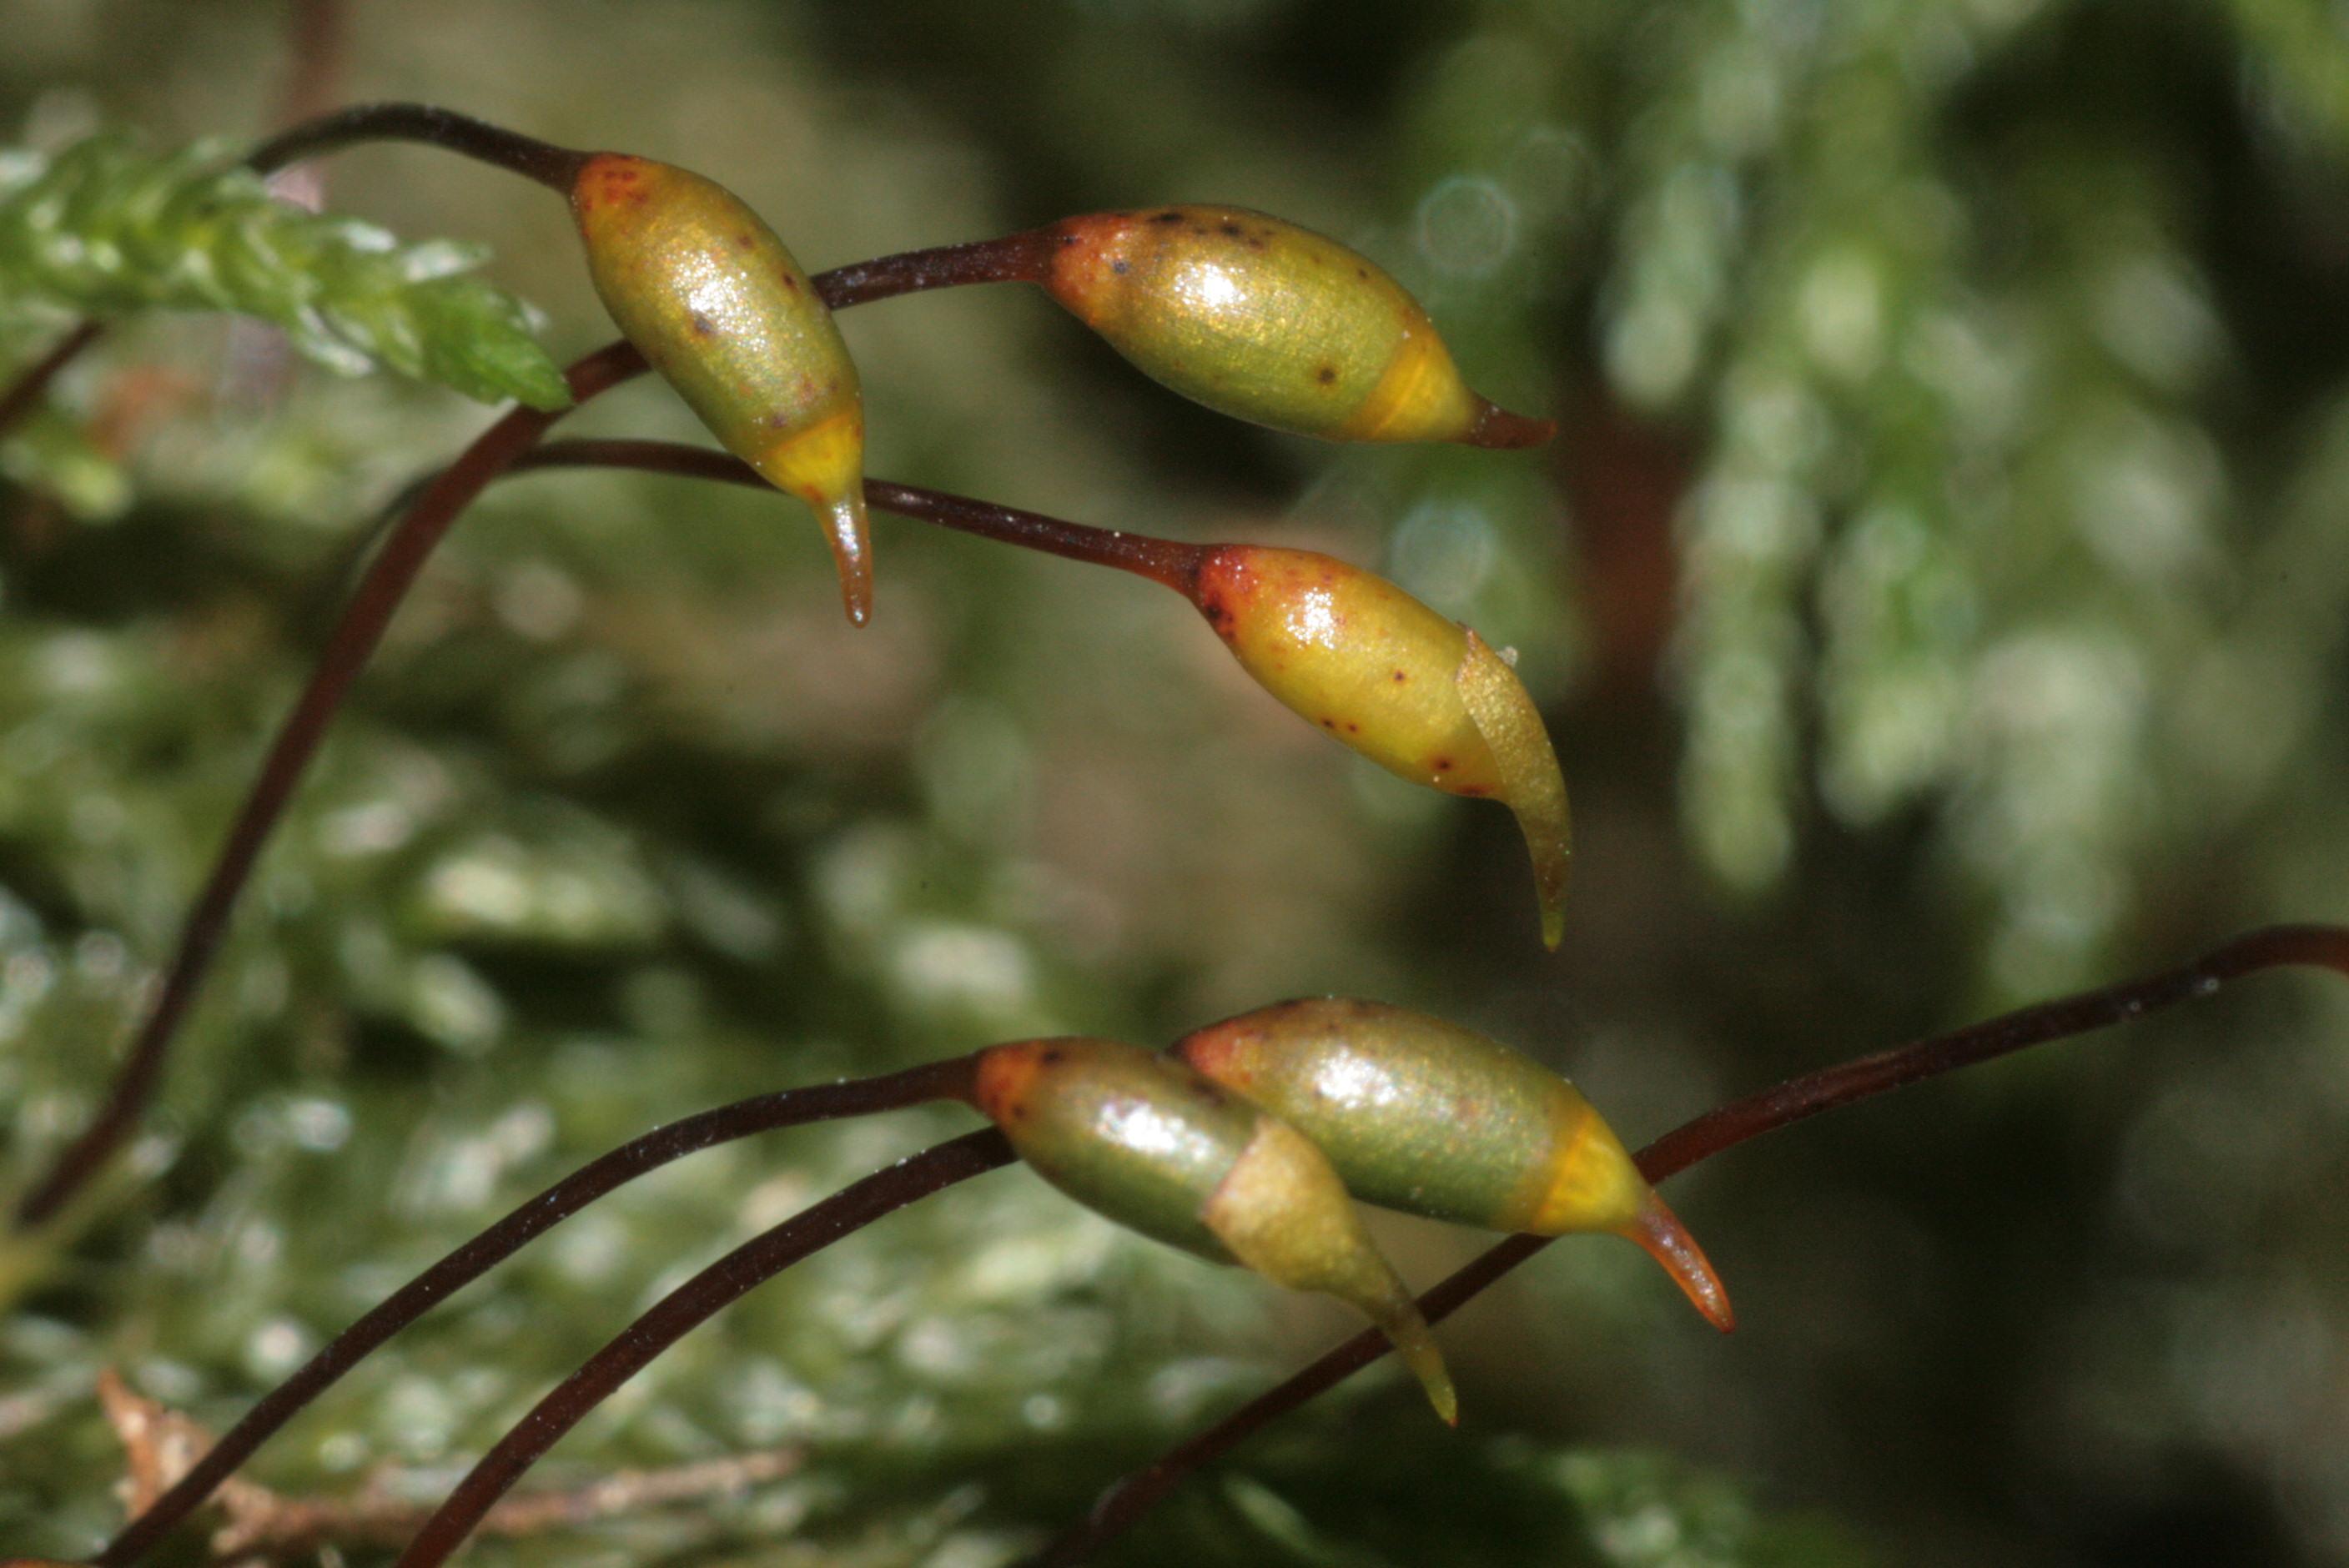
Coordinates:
<point>1006,1081</point>
<point>1221,1054</point>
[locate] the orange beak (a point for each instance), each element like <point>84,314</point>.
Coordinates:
<point>1658,1230</point>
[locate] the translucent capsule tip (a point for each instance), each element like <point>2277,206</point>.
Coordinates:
<point>1659,1231</point>
<point>1409,1334</point>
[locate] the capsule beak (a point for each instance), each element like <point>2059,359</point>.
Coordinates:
<point>852,551</point>
<point>1531,784</point>
<point>1658,1229</point>
<point>1497,429</point>
<point>1408,1332</point>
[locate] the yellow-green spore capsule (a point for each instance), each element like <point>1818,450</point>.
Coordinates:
<point>1423,1116</point>
<point>1415,691</point>
<point>714,302</point>
<point>1139,1137</point>
<point>1262,320</point>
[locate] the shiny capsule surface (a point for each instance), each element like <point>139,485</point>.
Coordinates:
<point>1265,321</point>
<point>1140,1138</point>
<point>1426,1117</point>
<point>1412,690</point>
<point>1422,1115</point>
<point>713,300</point>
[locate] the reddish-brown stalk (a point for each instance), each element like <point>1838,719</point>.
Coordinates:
<point>1165,561</point>
<point>686,1308</point>
<point>1016,258</point>
<point>2277,946</point>
<point>379,593</point>
<point>1133,1496</point>
<point>763,1113</point>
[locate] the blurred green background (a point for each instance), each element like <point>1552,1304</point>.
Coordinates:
<point>1938,598</point>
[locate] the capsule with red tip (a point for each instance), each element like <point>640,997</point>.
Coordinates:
<point>1140,1138</point>
<point>1415,691</point>
<point>704,289</point>
<point>1423,1116</point>
<point>1269,322</point>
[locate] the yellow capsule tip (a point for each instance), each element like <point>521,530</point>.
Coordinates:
<point>1498,429</point>
<point>1658,1229</point>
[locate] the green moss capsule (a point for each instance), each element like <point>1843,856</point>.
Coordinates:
<point>1142,1139</point>
<point>709,295</point>
<point>1415,691</point>
<point>1265,321</point>
<point>1423,1116</point>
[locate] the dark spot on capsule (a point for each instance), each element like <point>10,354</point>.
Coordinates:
<point>1169,216</point>
<point>1256,241</point>
<point>1053,1057</point>
<point>1364,273</point>
<point>1118,266</point>
<point>1443,764</point>
<point>1330,724</point>
<point>1231,229</point>
<point>1068,239</point>
<point>703,326</point>
<point>776,420</point>
<point>1353,728</point>
<point>1326,374</point>
<point>790,284</point>
<point>1400,677</point>
<point>743,242</point>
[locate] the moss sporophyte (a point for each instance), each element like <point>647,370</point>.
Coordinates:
<point>1249,1142</point>
<point>1254,317</point>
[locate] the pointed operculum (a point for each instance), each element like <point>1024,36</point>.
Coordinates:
<point>1531,783</point>
<point>1416,693</point>
<point>1658,1229</point>
<point>699,282</point>
<point>1283,1211</point>
<point>823,465</point>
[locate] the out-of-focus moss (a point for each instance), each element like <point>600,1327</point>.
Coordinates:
<point>1944,557</point>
